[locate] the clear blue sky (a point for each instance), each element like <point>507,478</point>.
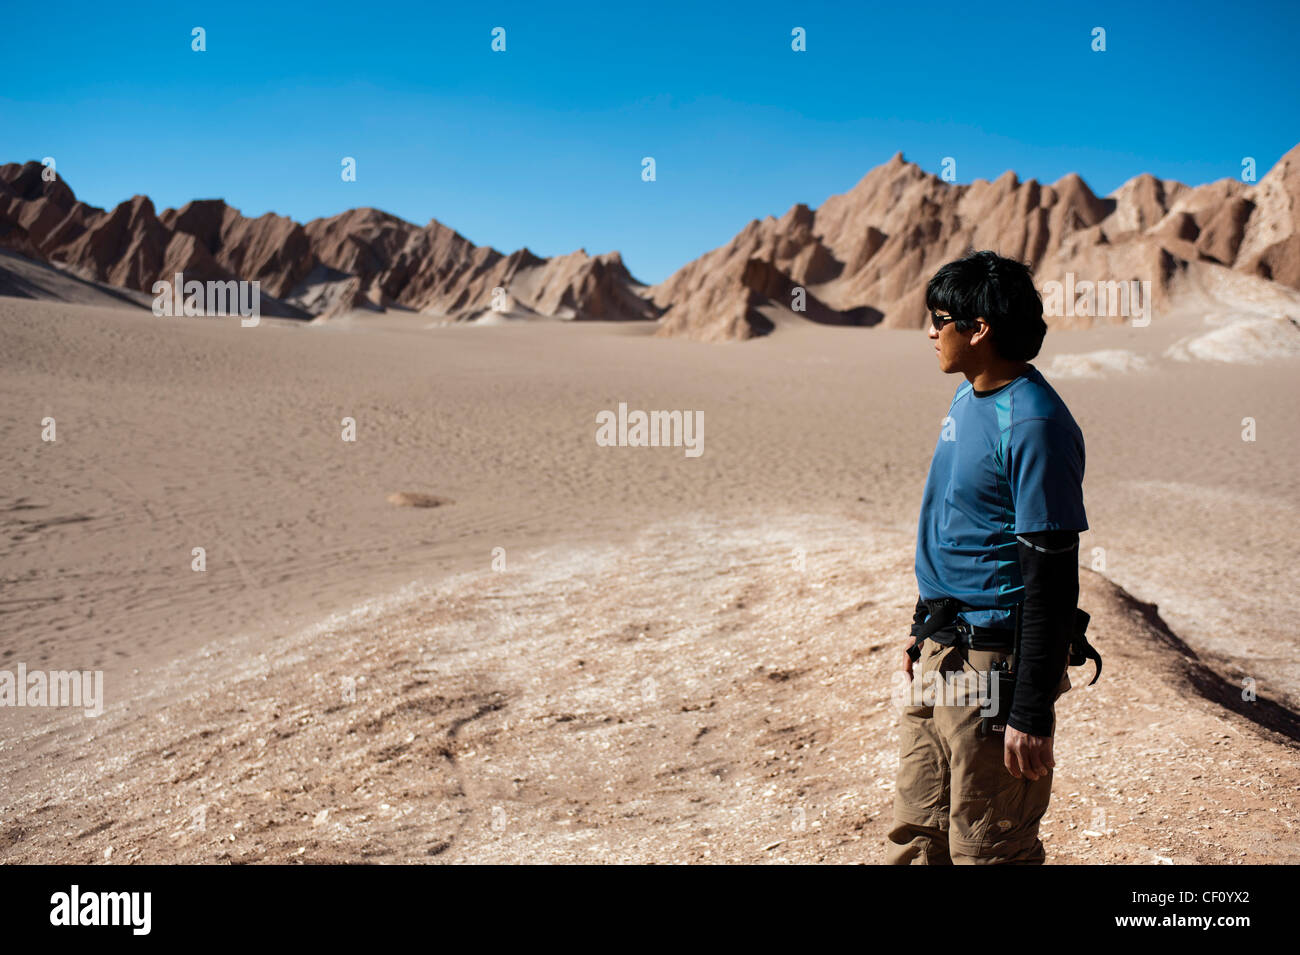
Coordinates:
<point>542,145</point>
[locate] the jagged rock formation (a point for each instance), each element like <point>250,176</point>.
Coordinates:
<point>865,255</point>
<point>862,258</point>
<point>362,258</point>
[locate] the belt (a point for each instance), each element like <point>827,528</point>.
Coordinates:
<point>943,625</point>
<point>963,634</point>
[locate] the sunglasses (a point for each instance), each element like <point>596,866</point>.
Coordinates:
<point>938,321</point>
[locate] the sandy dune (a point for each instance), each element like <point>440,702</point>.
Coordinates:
<point>651,676</point>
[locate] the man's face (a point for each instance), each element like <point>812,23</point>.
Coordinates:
<point>951,346</point>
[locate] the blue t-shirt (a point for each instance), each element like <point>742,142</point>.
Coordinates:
<point>1006,464</point>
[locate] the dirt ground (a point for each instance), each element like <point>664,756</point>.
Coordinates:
<point>706,693</point>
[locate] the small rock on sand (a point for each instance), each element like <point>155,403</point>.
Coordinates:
<point>415,499</point>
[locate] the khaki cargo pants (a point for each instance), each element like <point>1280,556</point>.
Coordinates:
<point>955,801</point>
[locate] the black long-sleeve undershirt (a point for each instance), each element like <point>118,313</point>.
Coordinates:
<point>1047,620</point>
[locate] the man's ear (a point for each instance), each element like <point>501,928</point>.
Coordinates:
<point>982,331</point>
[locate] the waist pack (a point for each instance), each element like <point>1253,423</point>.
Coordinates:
<point>941,614</point>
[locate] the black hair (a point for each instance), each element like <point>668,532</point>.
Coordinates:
<point>999,290</point>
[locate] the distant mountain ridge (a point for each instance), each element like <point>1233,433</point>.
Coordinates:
<point>360,259</point>
<point>874,247</point>
<point>861,258</point>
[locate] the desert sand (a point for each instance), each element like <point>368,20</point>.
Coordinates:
<point>681,659</point>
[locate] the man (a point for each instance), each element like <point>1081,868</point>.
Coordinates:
<point>998,536</point>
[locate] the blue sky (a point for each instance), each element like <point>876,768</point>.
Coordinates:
<point>541,146</point>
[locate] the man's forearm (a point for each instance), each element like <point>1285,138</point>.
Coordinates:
<point>1047,621</point>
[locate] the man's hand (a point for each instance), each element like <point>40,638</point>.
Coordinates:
<point>907,657</point>
<point>1027,756</point>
